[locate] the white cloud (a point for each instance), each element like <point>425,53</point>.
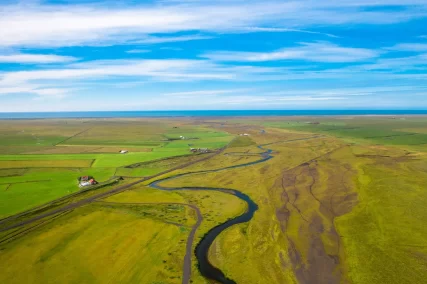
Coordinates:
<point>154,70</point>
<point>101,69</point>
<point>316,52</point>
<point>85,24</point>
<point>52,93</point>
<point>16,89</point>
<point>205,92</point>
<point>274,100</point>
<point>34,58</point>
<point>397,64</point>
<point>157,39</point>
<point>281,30</point>
<point>46,81</point>
<point>38,90</point>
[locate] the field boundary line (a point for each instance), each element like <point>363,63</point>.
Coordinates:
<point>8,237</point>
<point>40,207</point>
<point>75,135</point>
<point>89,199</point>
<point>29,181</point>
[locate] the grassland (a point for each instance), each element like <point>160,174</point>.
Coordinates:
<point>49,155</point>
<point>342,200</point>
<point>402,131</point>
<point>97,244</point>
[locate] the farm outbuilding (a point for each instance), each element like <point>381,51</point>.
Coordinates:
<point>199,150</point>
<point>86,181</point>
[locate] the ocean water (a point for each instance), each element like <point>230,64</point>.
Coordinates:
<point>202,113</point>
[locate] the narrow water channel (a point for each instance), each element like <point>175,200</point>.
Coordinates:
<point>202,249</point>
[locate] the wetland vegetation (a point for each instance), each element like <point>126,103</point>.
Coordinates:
<point>296,200</point>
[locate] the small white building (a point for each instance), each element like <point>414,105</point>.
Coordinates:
<point>123,151</point>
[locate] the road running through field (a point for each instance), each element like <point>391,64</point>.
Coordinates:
<point>186,268</point>
<point>202,249</point>
<point>85,201</point>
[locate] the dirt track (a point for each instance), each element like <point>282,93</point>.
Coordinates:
<point>205,267</point>
<point>91,199</point>
<point>187,259</point>
<point>186,269</point>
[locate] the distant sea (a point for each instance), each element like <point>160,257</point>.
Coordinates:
<point>202,113</point>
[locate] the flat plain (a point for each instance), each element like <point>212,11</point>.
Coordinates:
<point>333,200</point>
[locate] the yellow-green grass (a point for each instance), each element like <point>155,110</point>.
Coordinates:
<point>4,187</point>
<point>385,227</point>
<point>28,140</point>
<point>385,234</point>
<point>13,149</point>
<point>178,214</point>
<point>46,164</point>
<point>38,132</point>
<point>141,193</point>
<point>150,133</point>
<point>120,160</point>
<point>216,208</point>
<point>330,209</point>
<point>194,133</point>
<point>241,252</point>
<point>381,130</point>
<point>97,245</point>
<point>253,149</point>
<point>39,186</point>
<point>260,248</point>
<point>210,142</point>
<point>119,133</point>
<point>221,161</point>
<point>11,172</point>
<point>156,166</point>
<point>241,141</point>
<point>414,130</point>
<point>101,160</point>
<point>105,140</point>
<point>72,149</point>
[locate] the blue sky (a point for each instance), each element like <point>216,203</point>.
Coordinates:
<point>182,55</point>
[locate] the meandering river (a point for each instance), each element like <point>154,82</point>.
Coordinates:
<point>202,248</point>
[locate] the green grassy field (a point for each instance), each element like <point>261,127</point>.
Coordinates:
<point>341,201</point>
<point>380,130</point>
<point>49,155</point>
<point>38,186</point>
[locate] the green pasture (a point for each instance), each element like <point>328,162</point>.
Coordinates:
<point>328,210</point>
<point>10,164</point>
<point>137,172</point>
<point>155,166</point>
<point>40,160</point>
<point>39,186</point>
<point>379,130</point>
<point>199,133</point>
<point>29,140</point>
